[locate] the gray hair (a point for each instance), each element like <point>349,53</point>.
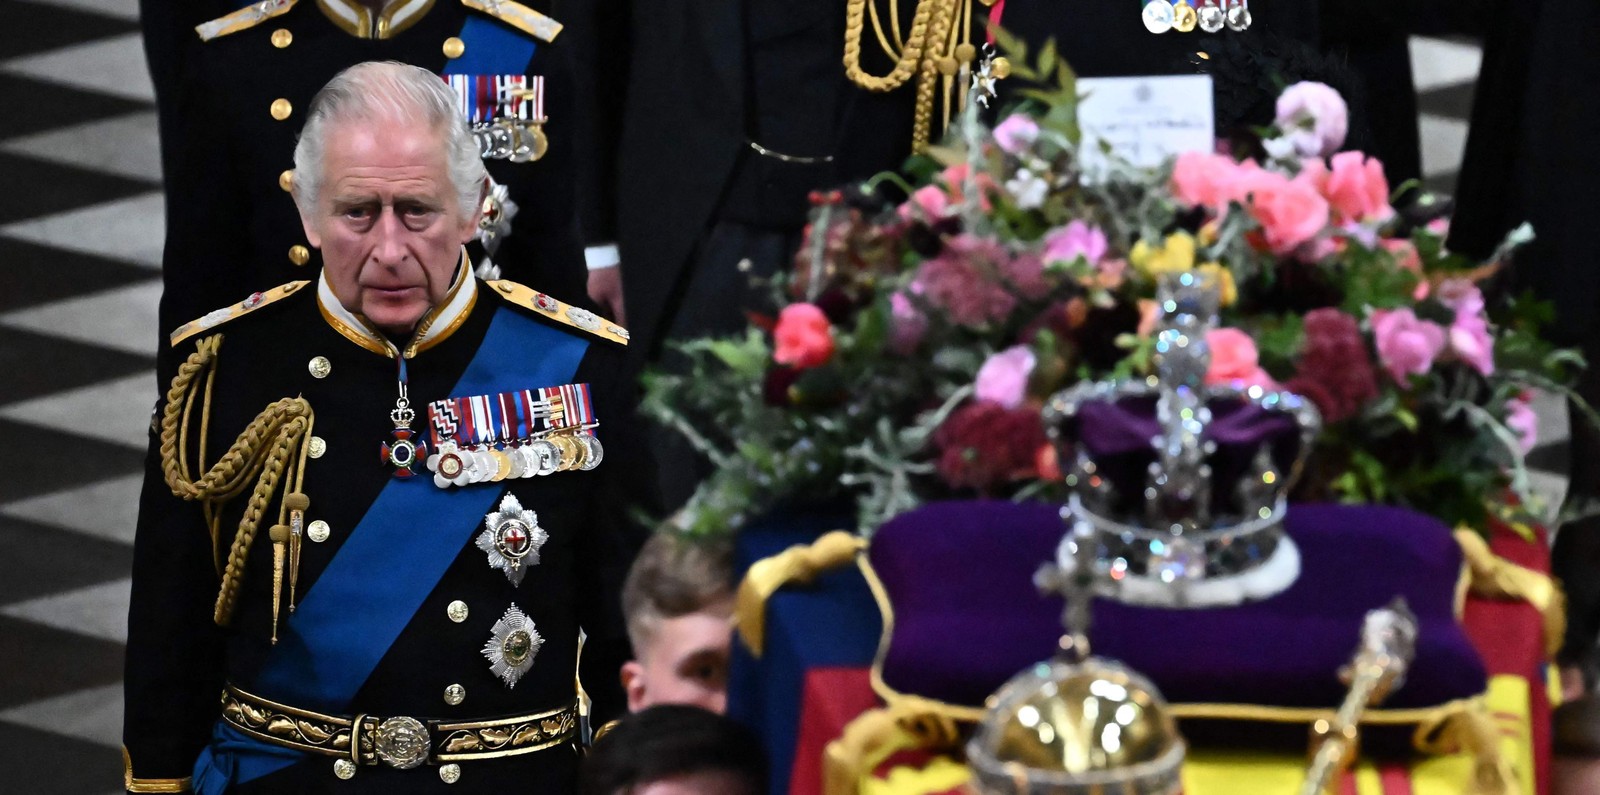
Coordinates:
<point>388,91</point>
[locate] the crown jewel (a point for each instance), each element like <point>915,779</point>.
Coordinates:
<point>1202,521</point>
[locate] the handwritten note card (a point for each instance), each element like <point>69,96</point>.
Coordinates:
<point>1144,119</point>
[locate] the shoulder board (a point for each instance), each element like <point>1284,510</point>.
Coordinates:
<point>576,317</point>
<point>518,16</point>
<point>243,19</point>
<point>227,313</point>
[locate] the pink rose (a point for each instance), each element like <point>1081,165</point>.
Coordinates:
<point>1201,179</point>
<point>927,203</point>
<point>1406,345</point>
<point>1235,360</point>
<point>1313,118</point>
<point>1003,378</point>
<point>803,337</point>
<point>1357,188</point>
<point>907,324</point>
<point>1521,419</point>
<point>1076,239</point>
<point>1291,212</point>
<point>1016,133</point>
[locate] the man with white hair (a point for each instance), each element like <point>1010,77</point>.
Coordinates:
<point>377,510</point>
<point>229,117</point>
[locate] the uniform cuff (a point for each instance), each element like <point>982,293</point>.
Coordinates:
<point>598,257</point>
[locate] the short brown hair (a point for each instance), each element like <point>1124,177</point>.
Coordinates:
<point>674,575</point>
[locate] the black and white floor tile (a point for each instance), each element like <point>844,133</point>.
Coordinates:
<point>80,251</point>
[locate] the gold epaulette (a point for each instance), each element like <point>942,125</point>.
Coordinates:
<point>518,16</point>
<point>576,317</point>
<point>243,19</point>
<point>216,318</point>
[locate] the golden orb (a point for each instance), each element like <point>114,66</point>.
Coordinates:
<point>1089,727</point>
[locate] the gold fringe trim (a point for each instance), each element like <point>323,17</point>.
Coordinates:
<point>797,564</point>
<point>1494,577</point>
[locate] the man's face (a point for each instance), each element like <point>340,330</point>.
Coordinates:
<point>684,662</point>
<point>387,221</point>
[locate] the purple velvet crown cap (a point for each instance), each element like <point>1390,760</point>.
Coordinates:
<point>1116,436</point>
<point>959,579</point>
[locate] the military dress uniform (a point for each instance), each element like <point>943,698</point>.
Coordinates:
<point>332,595</point>
<point>233,227</point>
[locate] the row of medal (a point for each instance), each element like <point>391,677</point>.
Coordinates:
<point>564,452</point>
<point>1183,16</point>
<point>521,434</point>
<point>506,113</point>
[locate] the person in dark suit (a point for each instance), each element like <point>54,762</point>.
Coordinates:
<point>380,532</point>
<point>230,122</point>
<point>1531,157</point>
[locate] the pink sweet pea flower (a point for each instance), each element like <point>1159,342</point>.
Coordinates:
<point>1003,378</point>
<point>1522,421</point>
<point>803,337</point>
<point>1314,118</point>
<point>1470,339</point>
<point>1235,360</point>
<point>1016,133</point>
<point>1076,239</point>
<point>1406,344</point>
<point>907,324</point>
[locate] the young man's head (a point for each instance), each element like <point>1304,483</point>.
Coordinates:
<point>679,602</point>
<point>675,749</point>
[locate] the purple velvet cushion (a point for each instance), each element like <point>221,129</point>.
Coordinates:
<point>959,576</point>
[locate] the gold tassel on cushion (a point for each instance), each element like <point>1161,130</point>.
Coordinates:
<point>797,564</point>
<point>1471,729</point>
<point>877,734</point>
<point>1494,577</point>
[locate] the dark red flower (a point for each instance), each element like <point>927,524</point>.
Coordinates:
<point>983,445</point>
<point>1334,371</point>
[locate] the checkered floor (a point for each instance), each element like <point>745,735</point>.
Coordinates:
<point>80,243</point>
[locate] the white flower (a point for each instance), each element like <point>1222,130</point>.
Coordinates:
<point>1028,189</point>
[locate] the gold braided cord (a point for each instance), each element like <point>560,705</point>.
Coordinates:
<point>891,50</point>
<point>259,454</point>
<point>283,444</point>
<point>928,74</point>
<point>906,65</point>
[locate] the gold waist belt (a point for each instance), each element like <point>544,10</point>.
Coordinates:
<point>399,741</point>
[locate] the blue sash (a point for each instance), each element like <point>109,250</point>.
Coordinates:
<point>493,48</point>
<point>386,568</point>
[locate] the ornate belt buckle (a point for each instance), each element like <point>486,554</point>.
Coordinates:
<point>401,742</point>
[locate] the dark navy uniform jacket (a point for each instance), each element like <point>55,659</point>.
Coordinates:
<point>372,631</point>
<point>232,224</point>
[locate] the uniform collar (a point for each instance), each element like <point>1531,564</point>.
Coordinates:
<point>358,20</point>
<point>434,328</point>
